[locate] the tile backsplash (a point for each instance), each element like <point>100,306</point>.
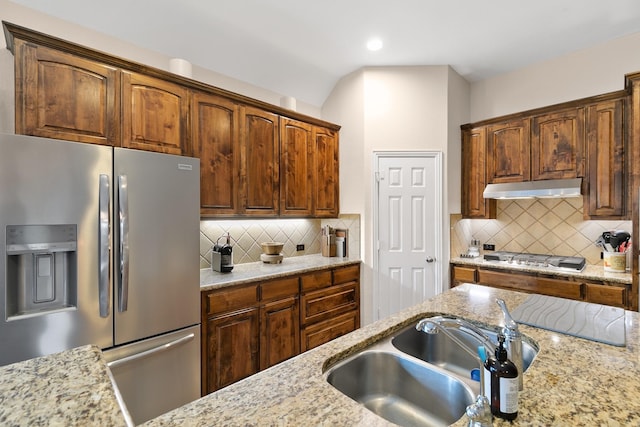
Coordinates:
<point>247,234</point>
<point>544,226</point>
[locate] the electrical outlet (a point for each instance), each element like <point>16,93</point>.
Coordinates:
<point>488,247</point>
<point>300,247</point>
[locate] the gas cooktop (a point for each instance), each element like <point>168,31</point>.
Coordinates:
<point>553,262</point>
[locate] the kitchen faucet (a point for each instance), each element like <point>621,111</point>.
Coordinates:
<point>479,413</point>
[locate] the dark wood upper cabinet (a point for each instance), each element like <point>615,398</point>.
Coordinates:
<point>259,162</point>
<point>154,114</point>
<point>215,131</point>
<point>251,164</point>
<point>296,149</point>
<point>606,197</point>
<point>508,151</point>
<point>558,145</point>
<point>47,103</point>
<point>326,193</point>
<point>474,177</point>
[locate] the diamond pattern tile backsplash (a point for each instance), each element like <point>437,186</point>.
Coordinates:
<point>544,226</point>
<point>246,236</point>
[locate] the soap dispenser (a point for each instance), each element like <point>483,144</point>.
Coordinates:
<point>502,387</point>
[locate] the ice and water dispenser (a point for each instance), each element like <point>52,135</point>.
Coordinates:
<point>41,269</point>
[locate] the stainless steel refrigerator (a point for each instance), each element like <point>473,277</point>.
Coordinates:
<point>100,246</point>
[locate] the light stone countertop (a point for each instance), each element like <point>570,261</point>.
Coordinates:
<point>254,271</point>
<point>571,382</point>
<point>593,272</point>
<point>71,388</point>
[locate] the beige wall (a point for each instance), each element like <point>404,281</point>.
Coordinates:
<point>395,109</point>
<point>592,71</point>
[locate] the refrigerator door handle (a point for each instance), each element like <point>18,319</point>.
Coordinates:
<point>104,238</point>
<point>151,351</point>
<point>123,210</point>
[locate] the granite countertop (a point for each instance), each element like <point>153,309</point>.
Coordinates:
<point>254,271</point>
<point>571,382</point>
<point>593,272</point>
<point>71,388</point>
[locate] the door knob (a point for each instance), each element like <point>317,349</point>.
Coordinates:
<point>430,259</point>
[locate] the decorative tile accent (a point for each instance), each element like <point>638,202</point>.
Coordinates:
<point>246,236</point>
<point>548,226</point>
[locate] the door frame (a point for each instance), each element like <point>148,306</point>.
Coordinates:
<point>439,190</point>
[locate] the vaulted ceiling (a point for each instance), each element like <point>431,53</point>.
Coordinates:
<point>301,48</point>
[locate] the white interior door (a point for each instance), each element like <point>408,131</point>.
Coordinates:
<point>408,228</point>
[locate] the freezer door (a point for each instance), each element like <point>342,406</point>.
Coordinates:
<point>50,272</point>
<point>157,375</point>
<point>156,252</point>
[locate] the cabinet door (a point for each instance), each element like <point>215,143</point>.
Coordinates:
<point>325,170</point>
<point>296,168</point>
<point>280,331</point>
<point>508,150</point>
<point>474,175</point>
<point>232,347</point>
<point>65,97</point>
<point>215,135</point>
<point>259,162</point>
<point>606,160</point>
<point>557,145</point>
<point>154,115</point>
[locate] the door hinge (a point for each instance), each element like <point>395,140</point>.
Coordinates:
<point>379,176</point>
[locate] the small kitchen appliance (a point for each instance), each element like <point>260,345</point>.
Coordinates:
<point>222,255</point>
<point>271,252</point>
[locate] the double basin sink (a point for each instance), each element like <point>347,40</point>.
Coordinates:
<point>412,378</point>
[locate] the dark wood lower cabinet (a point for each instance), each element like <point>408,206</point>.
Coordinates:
<point>248,328</point>
<point>280,337</point>
<point>576,288</point>
<point>232,347</point>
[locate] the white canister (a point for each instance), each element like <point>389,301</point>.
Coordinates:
<point>340,247</point>
<point>615,262</point>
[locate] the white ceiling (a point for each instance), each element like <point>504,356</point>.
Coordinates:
<point>301,48</point>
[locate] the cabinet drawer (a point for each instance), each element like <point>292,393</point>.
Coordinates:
<point>346,274</point>
<point>603,294</point>
<point>323,332</point>
<point>280,288</point>
<point>538,285</point>
<point>233,298</point>
<point>464,274</point>
<point>326,303</point>
<point>317,280</point>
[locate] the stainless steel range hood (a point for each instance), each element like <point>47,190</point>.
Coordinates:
<point>534,189</point>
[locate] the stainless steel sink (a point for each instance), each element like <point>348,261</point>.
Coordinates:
<point>412,378</point>
<point>401,389</point>
<point>440,350</point>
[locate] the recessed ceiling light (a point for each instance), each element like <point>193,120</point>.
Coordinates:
<point>374,44</point>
